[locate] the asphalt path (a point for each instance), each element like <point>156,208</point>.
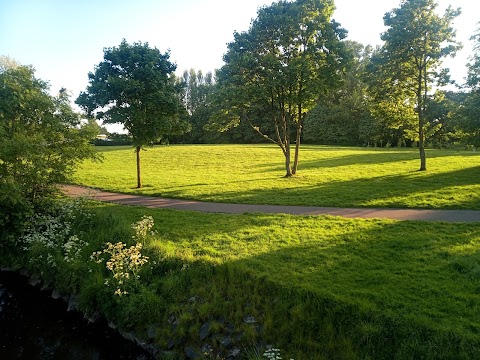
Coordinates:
<point>455,216</point>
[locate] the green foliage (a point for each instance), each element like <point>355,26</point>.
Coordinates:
<point>332,176</point>
<point>134,86</point>
<point>196,92</point>
<point>471,108</point>
<point>416,40</point>
<point>343,116</point>
<point>41,141</point>
<point>274,72</point>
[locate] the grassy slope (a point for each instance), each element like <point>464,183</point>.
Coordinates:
<point>345,177</point>
<point>322,286</point>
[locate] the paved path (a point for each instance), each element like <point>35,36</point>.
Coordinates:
<point>192,205</point>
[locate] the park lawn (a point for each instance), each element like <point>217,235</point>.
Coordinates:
<point>327,176</point>
<point>321,287</point>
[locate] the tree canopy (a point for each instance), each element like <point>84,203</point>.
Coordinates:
<point>275,71</point>
<point>134,86</point>
<point>415,42</point>
<point>41,141</point>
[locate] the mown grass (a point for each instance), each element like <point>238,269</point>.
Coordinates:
<point>328,176</point>
<point>320,287</point>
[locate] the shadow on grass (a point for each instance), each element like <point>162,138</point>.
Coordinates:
<point>368,158</point>
<point>399,290</point>
<point>382,289</point>
<point>410,190</point>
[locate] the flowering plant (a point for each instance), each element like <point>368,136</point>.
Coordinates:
<point>124,263</point>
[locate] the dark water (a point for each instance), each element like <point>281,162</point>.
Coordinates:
<point>35,326</point>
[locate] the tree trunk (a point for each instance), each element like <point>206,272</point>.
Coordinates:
<point>298,139</point>
<point>139,179</point>
<point>288,166</point>
<point>420,111</point>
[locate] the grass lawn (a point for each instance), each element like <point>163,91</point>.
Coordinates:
<point>321,287</point>
<point>328,176</point>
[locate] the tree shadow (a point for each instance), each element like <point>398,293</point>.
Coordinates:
<point>370,157</point>
<point>405,280</point>
<point>413,189</point>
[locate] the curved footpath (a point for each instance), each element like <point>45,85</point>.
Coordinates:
<point>192,205</point>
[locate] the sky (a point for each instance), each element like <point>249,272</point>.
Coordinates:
<point>64,39</point>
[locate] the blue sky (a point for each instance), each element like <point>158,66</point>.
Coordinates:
<point>64,39</point>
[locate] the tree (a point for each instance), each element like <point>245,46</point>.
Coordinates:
<point>343,116</point>
<point>197,90</point>
<point>134,86</point>
<point>41,141</point>
<point>275,72</point>
<point>471,108</point>
<point>415,42</point>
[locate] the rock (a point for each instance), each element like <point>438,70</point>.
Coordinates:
<point>94,317</point>
<point>56,294</point>
<point>204,331</point>
<point>34,280</point>
<point>249,319</point>
<point>175,325</point>
<point>207,349</point>
<point>234,353</point>
<point>152,332</point>
<point>191,353</point>
<point>72,303</point>
<point>128,336</point>
<point>111,325</point>
<point>46,287</point>
<point>171,344</point>
<point>226,341</point>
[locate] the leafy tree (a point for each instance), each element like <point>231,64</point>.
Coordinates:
<point>471,108</point>
<point>41,141</point>
<point>416,40</point>
<point>343,116</point>
<point>134,86</point>
<point>444,119</point>
<point>274,72</point>
<point>7,63</point>
<point>197,91</point>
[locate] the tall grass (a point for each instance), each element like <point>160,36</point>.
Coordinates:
<point>328,176</point>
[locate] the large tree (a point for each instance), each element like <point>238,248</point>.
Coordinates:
<point>415,42</point>
<point>134,85</point>
<point>277,69</point>
<point>41,141</point>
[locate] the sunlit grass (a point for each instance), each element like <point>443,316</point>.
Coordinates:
<point>377,285</point>
<point>328,176</point>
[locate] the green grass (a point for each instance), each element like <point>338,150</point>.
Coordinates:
<point>328,176</point>
<point>322,287</point>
